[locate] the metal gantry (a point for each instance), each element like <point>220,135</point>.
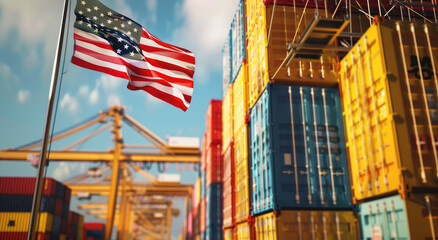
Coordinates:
<point>115,181</point>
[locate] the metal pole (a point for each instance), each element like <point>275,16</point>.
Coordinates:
<point>43,158</point>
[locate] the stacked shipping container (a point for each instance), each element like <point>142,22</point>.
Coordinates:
<point>389,87</point>
<point>299,171</point>
<point>16,194</point>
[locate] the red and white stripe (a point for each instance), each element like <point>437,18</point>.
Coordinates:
<point>166,72</point>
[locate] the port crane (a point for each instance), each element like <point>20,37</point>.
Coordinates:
<point>116,182</point>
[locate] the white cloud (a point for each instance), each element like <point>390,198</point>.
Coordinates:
<point>153,100</point>
<point>23,96</point>
<point>94,96</point>
<point>62,172</point>
<point>152,9</point>
<point>6,74</point>
<point>113,99</point>
<point>206,24</point>
<point>109,83</point>
<point>83,91</point>
<point>69,103</point>
<point>124,9</point>
<point>32,27</point>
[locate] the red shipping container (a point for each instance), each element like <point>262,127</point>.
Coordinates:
<point>214,164</point>
<point>64,226</point>
<point>73,218</point>
<point>58,207</point>
<point>67,195</point>
<point>22,236</point>
<point>26,185</point>
<point>229,196</point>
<point>213,124</point>
<point>302,3</point>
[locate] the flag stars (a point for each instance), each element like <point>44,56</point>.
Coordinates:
<point>80,12</point>
<point>135,29</point>
<point>102,15</point>
<point>122,25</point>
<point>83,2</point>
<point>129,22</point>
<point>118,51</point>
<point>94,18</point>
<point>96,8</point>
<point>126,46</point>
<point>102,25</point>
<point>131,54</point>
<point>129,33</point>
<point>89,25</point>
<point>110,13</point>
<point>109,21</point>
<point>116,28</point>
<point>80,22</point>
<point>88,9</point>
<point>119,39</point>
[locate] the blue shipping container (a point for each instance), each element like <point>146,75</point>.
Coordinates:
<point>226,64</point>
<point>395,218</point>
<point>23,203</point>
<point>213,213</point>
<point>214,233</point>
<point>238,42</point>
<point>303,166</point>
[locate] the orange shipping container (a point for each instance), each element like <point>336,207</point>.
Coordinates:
<point>267,48</point>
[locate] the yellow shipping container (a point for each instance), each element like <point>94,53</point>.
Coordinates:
<point>389,97</point>
<point>229,234</point>
<point>227,119</point>
<point>62,237</point>
<point>241,158</point>
<point>240,99</point>
<point>80,227</point>
<point>291,224</point>
<point>19,222</point>
<point>243,231</point>
<point>265,57</point>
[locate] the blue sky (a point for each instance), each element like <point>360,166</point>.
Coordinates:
<point>29,32</point>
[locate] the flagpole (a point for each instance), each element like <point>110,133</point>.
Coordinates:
<point>36,202</point>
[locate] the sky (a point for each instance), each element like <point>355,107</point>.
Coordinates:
<point>29,34</point>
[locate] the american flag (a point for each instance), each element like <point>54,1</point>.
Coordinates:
<point>109,42</point>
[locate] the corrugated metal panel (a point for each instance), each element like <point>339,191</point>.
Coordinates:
<point>389,149</point>
<point>23,236</point>
<point>19,222</point>
<point>227,119</point>
<point>242,164</point>
<point>229,195</point>
<point>307,225</point>
<point>240,99</point>
<point>243,231</point>
<point>298,162</point>
<point>302,3</point>
<point>229,234</point>
<point>214,206</point>
<point>23,203</point>
<point>213,122</point>
<point>58,207</point>
<point>214,233</point>
<point>65,210</point>
<point>226,64</point>
<point>238,49</point>
<point>25,185</point>
<point>395,218</point>
<point>57,224</point>
<point>214,164</point>
<point>264,57</point>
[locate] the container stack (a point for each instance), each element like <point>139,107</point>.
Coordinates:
<point>75,226</point>
<point>288,136</point>
<point>93,231</point>
<point>389,93</point>
<point>16,195</point>
<point>212,172</point>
